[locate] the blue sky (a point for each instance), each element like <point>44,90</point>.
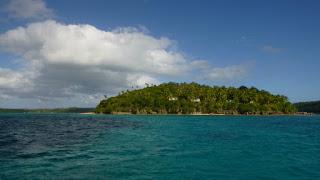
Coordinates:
<point>272,45</point>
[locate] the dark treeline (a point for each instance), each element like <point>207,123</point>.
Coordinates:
<point>56,110</point>
<point>187,98</point>
<point>311,107</point>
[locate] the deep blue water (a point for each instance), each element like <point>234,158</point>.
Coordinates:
<point>72,146</point>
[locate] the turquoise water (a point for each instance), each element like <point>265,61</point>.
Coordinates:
<point>71,146</point>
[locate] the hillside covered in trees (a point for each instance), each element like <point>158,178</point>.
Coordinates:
<point>311,107</point>
<point>189,98</point>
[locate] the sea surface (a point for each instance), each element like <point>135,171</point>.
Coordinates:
<point>74,146</point>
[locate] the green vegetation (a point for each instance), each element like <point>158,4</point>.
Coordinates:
<point>311,107</point>
<point>57,110</point>
<point>187,98</point>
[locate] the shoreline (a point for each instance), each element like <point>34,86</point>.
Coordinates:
<point>202,114</point>
<point>87,113</point>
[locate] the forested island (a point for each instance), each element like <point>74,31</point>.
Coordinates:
<point>55,110</point>
<point>311,106</point>
<point>193,98</point>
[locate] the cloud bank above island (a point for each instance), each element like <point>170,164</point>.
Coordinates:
<point>79,60</point>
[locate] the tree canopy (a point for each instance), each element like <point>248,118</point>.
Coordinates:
<point>311,107</point>
<point>188,98</point>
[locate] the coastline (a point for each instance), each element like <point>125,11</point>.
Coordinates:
<point>203,114</point>
<point>87,113</point>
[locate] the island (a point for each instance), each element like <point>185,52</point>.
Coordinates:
<point>194,98</point>
<point>54,110</point>
<point>309,106</point>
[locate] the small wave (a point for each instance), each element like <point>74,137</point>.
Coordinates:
<point>33,155</point>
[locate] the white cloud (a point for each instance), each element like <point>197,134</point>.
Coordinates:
<point>205,71</point>
<point>227,73</point>
<point>83,62</point>
<point>84,45</point>
<point>17,80</point>
<point>270,49</point>
<point>28,9</point>
<point>200,64</point>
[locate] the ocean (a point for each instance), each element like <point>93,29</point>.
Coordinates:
<point>74,146</point>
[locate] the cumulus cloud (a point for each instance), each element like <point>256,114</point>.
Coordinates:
<point>8,78</point>
<point>270,49</point>
<point>64,60</point>
<point>81,61</point>
<point>28,9</point>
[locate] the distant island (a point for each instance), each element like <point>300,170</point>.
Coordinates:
<point>311,106</point>
<point>193,98</point>
<point>55,110</point>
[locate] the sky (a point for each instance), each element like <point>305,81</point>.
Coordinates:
<point>58,53</point>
